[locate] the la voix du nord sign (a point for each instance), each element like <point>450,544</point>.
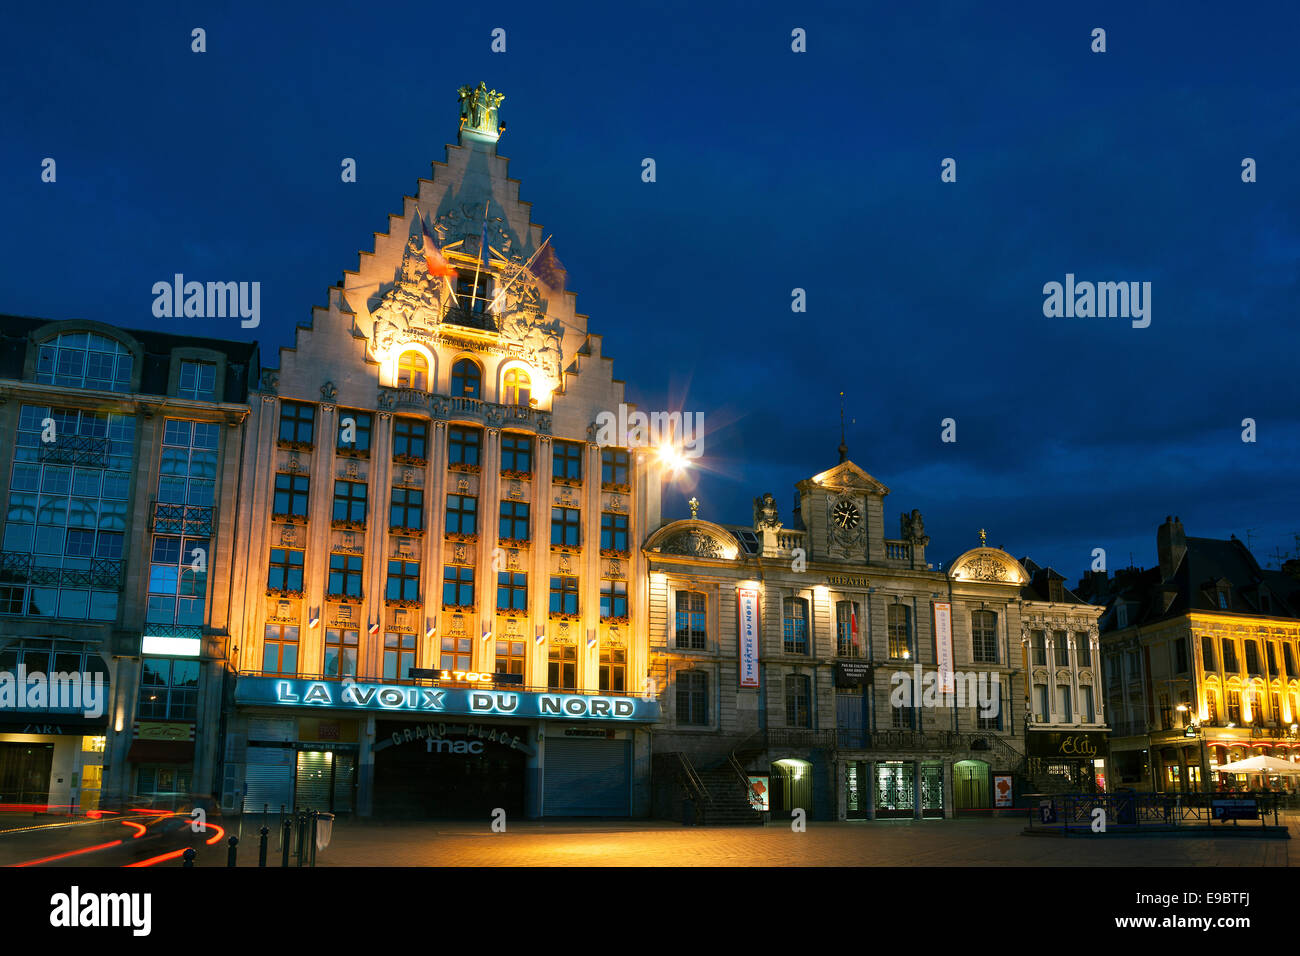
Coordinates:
<point>351,695</point>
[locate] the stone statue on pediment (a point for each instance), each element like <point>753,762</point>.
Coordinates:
<point>765,513</point>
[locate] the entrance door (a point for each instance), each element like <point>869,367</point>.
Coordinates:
<point>792,787</point>
<point>25,772</point>
<point>315,783</point>
<point>851,716</point>
<point>895,790</point>
<point>932,790</point>
<point>586,778</point>
<point>857,790</point>
<point>970,780</point>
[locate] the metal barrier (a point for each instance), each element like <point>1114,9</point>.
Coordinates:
<point>1129,810</point>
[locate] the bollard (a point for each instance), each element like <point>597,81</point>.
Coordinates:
<point>233,851</point>
<point>313,837</point>
<point>188,856</point>
<point>286,837</point>
<point>302,835</point>
<point>261,847</point>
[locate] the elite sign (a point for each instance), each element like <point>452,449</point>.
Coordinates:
<point>352,695</point>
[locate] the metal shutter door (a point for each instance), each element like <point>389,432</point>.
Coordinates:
<point>268,778</point>
<point>315,773</point>
<point>586,778</point>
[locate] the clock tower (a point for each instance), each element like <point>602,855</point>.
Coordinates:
<point>842,511</point>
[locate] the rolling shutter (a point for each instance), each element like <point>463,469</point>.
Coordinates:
<point>315,776</point>
<point>586,778</point>
<point>268,778</point>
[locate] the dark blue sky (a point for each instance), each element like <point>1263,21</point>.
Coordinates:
<point>775,170</point>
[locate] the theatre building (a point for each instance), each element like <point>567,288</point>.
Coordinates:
<point>443,601</point>
<point>120,490</point>
<point>784,654</point>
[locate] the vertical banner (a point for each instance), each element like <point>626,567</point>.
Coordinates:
<point>943,646</point>
<point>747,613</point>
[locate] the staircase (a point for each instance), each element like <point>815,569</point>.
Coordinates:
<point>728,801</point>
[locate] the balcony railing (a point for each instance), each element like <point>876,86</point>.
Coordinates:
<point>190,520</point>
<point>898,551</point>
<point>468,319</point>
<point>445,407</point>
<point>76,450</point>
<point>17,567</point>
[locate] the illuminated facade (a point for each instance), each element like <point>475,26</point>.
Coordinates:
<point>121,502</point>
<point>788,656</point>
<point>1200,661</point>
<point>444,605</point>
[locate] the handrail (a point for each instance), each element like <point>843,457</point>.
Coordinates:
<point>693,778</point>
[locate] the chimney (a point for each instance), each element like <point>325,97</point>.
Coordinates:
<point>1171,545</point>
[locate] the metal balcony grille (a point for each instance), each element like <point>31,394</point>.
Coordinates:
<point>191,520</point>
<point>76,450</point>
<point>19,568</point>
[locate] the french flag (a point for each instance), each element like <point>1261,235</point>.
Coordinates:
<point>433,258</point>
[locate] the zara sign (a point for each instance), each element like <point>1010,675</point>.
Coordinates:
<point>385,698</point>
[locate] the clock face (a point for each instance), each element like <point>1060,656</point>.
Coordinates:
<point>846,515</point>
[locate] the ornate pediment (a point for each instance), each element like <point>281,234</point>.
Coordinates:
<point>990,565</point>
<point>696,539</point>
<point>845,477</point>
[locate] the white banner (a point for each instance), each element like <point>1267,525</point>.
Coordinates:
<point>943,646</point>
<point>747,612</point>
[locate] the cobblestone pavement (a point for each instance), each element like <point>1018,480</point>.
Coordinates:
<point>655,843</point>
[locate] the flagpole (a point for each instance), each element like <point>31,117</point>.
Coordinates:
<point>520,271</point>
<point>445,280</point>
<point>473,294</point>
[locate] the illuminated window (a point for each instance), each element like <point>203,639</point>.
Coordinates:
<point>984,636</point>
<point>1211,708</point>
<point>1234,706</point>
<point>412,371</point>
<point>562,667</point>
<point>692,624</point>
<point>613,669</point>
<point>280,649</point>
<point>847,643</point>
<point>399,655</point>
<point>795,625</point>
<point>466,379</point>
<point>518,387</point>
<point>693,698</point>
<point>341,652</point>
<point>510,657</point>
<point>84,360</point>
<point>900,633</point>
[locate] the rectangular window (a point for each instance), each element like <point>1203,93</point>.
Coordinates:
<point>285,572</point>
<point>350,502</point>
<point>280,649</point>
<point>566,527</point>
<point>410,440</point>
<point>345,575</point>
<point>693,698</point>
<point>399,655</point>
<point>1039,641</point>
<point>991,721</point>
<point>1207,652</point>
<point>795,628</point>
<point>457,586</point>
<point>692,620</point>
<point>169,689</point>
<point>341,652</point>
<point>177,582</point>
<point>291,494</point>
<point>613,669</point>
<point>1063,699</point>
<point>1271,648</point>
<point>1252,657</point>
<point>564,594</point>
<point>1234,707</point>
<point>847,643</point>
<point>1061,643</point>
<point>403,581</point>
<point>464,445</point>
<point>516,454</point>
<point>566,464</point>
<point>613,533</point>
<point>562,667</point>
<point>297,423</point>
<point>406,512</point>
<point>984,636</point>
<point>1180,655</point>
<point>198,380</point>
<point>457,654</point>
<point>512,591</point>
<point>902,718</point>
<point>614,468</point>
<point>510,657</point>
<point>798,701</point>
<point>1083,648</point>
<point>1229,656</point>
<point>613,599</point>
<point>900,637</point>
<point>1044,714</point>
<point>1288,660</point>
<point>513,524</point>
<point>462,514</point>
<point>354,431</point>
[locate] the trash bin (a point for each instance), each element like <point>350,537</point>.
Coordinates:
<point>688,813</point>
<point>324,829</point>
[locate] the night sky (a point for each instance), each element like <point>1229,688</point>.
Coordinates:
<point>775,170</point>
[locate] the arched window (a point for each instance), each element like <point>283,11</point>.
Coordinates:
<point>518,387</point>
<point>413,371</point>
<point>466,379</point>
<point>84,360</point>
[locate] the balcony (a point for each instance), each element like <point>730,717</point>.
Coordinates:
<point>190,520</point>
<point>468,319</point>
<point>459,408</point>
<point>898,551</point>
<point>76,450</point>
<point>18,567</point>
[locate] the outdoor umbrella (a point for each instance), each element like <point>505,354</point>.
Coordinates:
<point>1260,765</point>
